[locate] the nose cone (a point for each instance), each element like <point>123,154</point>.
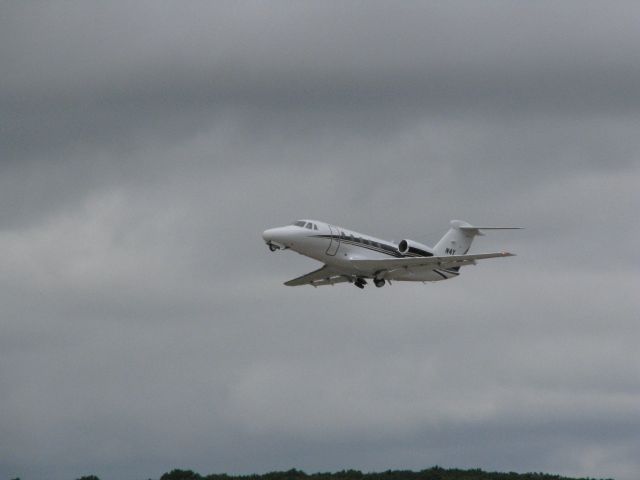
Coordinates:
<point>276,238</point>
<point>277,235</point>
<point>269,234</point>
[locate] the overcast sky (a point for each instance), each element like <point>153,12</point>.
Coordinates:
<point>144,148</point>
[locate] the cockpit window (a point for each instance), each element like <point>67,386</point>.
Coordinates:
<point>299,223</point>
<point>309,226</point>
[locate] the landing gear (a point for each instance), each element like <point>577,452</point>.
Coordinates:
<point>273,247</point>
<point>379,282</point>
<point>360,282</point>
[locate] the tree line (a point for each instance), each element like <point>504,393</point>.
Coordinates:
<point>434,473</point>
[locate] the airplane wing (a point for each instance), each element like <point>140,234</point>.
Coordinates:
<point>436,262</point>
<point>323,276</point>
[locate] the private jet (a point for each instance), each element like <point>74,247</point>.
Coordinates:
<point>353,257</point>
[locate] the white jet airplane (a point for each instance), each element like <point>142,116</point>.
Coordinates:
<point>353,257</point>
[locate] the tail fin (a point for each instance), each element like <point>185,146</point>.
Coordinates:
<point>457,240</point>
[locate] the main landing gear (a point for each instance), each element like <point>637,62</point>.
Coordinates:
<point>360,282</point>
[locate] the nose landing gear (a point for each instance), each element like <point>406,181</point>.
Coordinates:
<point>379,282</point>
<point>273,247</point>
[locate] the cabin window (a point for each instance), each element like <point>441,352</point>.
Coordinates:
<point>315,227</point>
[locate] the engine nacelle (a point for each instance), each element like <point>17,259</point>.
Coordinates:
<point>408,247</point>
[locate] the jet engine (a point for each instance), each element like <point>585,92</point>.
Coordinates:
<point>408,247</point>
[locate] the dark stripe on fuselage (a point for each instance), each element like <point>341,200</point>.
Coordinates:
<point>391,253</point>
<point>380,247</point>
<point>368,244</point>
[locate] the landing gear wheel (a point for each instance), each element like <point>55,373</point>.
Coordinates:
<point>272,247</point>
<point>379,282</point>
<point>360,283</point>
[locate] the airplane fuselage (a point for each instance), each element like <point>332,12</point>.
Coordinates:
<point>338,247</point>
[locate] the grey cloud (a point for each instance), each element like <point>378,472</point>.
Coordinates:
<point>90,73</point>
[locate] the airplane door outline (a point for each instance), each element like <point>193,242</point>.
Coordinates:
<point>334,243</point>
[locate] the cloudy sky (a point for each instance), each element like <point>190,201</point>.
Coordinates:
<point>144,147</point>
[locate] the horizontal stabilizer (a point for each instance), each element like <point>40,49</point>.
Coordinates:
<point>477,230</point>
<point>473,227</point>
